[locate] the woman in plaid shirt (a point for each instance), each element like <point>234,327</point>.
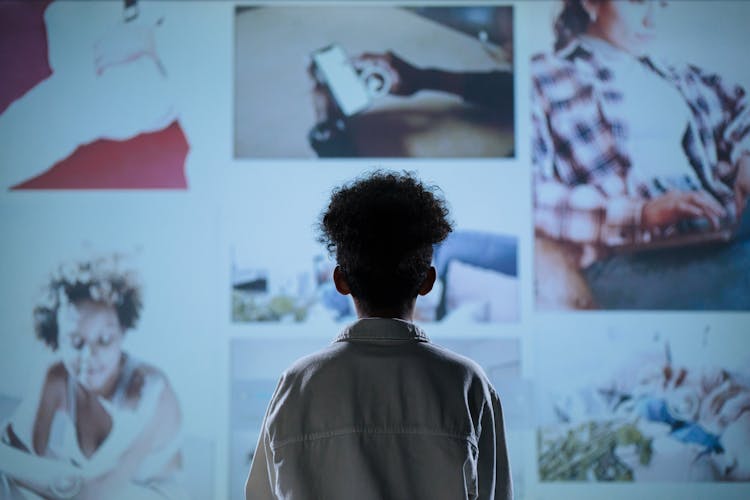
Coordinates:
<point>631,153</point>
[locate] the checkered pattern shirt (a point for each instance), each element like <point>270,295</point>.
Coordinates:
<point>580,156</point>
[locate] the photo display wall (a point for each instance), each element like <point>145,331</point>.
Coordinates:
<point>163,166</point>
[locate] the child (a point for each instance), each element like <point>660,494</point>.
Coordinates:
<point>382,413</point>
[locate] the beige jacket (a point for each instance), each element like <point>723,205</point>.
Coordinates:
<point>382,414</point>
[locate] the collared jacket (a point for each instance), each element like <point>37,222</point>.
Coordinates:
<point>382,413</point>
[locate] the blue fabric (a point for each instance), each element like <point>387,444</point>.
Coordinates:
<point>701,277</point>
<point>656,410</point>
<point>694,433</point>
<point>486,250</point>
<point>333,300</point>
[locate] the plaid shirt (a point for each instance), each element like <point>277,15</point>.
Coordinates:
<point>580,154</point>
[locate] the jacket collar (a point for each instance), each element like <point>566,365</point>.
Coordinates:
<point>382,329</point>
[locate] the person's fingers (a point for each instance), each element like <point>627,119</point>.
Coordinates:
<point>706,213</point>
<point>383,61</point>
<point>393,59</point>
<point>315,76</point>
<point>319,105</point>
<point>686,208</point>
<point>710,203</point>
<point>368,57</point>
<point>710,207</point>
<point>323,103</point>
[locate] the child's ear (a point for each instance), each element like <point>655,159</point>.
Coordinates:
<point>429,281</point>
<point>340,281</point>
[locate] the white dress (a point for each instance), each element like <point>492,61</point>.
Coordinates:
<point>63,443</point>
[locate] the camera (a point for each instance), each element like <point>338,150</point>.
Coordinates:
<point>352,88</point>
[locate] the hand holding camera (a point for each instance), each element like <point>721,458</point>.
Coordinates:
<point>353,83</point>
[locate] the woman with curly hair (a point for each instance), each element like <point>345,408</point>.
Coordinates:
<point>106,424</point>
<point>382,412</point>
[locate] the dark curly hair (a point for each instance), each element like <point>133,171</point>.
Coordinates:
<point>572,21</point>
<point>382,228</point>
<point>99,280</point>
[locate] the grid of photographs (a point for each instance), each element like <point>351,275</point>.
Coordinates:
<point>163,167</point>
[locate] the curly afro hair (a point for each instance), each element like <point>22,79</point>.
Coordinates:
<point>382,228</point>
<point>98,280</point>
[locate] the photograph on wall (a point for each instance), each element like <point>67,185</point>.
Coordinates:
<point>257,364</point>
<point>280,273</point>
<point>88,98</point>
<point>643,406</point>
<point>641,156</point>
<point>348,80</point>
<point>95,398</point>
<point>477,282</point>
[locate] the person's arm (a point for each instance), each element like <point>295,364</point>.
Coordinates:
<point>580,214</point>
<point>493,465</point>
<point>259,480</point>
<point>24,456</point>
<point>161,428</point>
<point>600,213</point>
<point>85,98</point>
<point>491,89</point>
<point>725,111</point>
<point>488,89</point>
<point>126,41</point>
<point>729,114</point>
<point>44,476</point>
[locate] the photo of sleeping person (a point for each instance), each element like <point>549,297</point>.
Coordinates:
<point>641,165</point>
<point>89,81</point>
<point>105,424</point>
<point>669,408</point>
<point>278,271</point>
<point>429,81</point>
<point>477,282</point>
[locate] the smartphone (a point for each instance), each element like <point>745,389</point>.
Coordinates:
<point>333,68</point>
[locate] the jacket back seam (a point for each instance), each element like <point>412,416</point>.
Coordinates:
<point>316,436</point>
